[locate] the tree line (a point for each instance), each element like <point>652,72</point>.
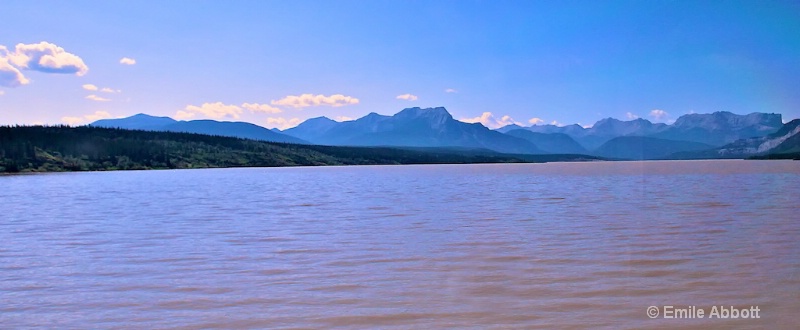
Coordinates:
<point>87,148</point>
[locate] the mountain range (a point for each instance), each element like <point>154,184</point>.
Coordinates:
<point>715,129</point>
<point>645,147</point>
<point>713,135</point>
<point>554,143</point>
<point>412,127</point>
<point>785,140</point>
<point>209,127</point>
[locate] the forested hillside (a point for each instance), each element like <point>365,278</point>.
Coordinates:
<point>64,148</point>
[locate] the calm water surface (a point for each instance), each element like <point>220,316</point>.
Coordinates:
<point>402,247</point>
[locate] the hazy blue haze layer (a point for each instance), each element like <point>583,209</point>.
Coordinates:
<point>466,246</point>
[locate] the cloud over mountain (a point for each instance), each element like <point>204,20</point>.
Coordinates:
<point>536,121</point>
<point>490,121</point>
<point>310,100</point>
<point>265,108</point>
<point>283,123</point>
<point>220,110</point>
<point>97,115</point>
<point>407,97</point>
<point>658,114</point>
<point>212,110</point>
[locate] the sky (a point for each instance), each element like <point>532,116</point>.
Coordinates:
<point>277,63</point>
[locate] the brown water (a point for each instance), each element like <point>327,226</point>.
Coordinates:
<point>402,247</point>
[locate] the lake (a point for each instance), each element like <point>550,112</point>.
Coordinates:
<point>492,246</point>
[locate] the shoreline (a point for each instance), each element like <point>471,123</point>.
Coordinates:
<point>644,161</point>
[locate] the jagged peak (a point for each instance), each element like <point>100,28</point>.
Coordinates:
<point>729,118</point>
<point>427,112</point>
<point>320,119</point>
<point>373,116</point>
<point>511,126</point>
<point>606,120</point>
<point>615,120</point>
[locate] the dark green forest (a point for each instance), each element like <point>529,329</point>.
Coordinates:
<point>794,156</point>
<point>64,148</point>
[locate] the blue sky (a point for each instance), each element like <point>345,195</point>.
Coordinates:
<point>276,63</point>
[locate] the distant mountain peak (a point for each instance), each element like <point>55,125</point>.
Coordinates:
<point>137,121</point>
<point>607,119</point>
<point>511,127</point>
<point>424,112</point>
<point>728,120</point>
<point>320,119</point>
<point>615,121</point>
<point>372,117</point>
<point>144,115</point>
<point>202,126</point>
<point>414,127</point>
<point>436,118</point>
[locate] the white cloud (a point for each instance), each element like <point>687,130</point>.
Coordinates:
<point>127,61</point>
<point>97,98</point>
<point>46,57</point>
<point>43,57</point>
<point>507,120</point>
<point>9,75</point>
<point>450,90</point>
<point>659,114</point>
<point>282,123</point>
<point>536,121</point>
<point>72,121</point>
<point>215,110</point>
<point>490,121</point>
<point>556,123</point>
<point>309,100</point>
<point>485,118</point>
<point>265,108</point>
<point>407,97</point>
<point>97,115</point>
<point>2,92</point>
<point>180,115</point>
<point>631,116</point>
<point>344,118</point>
<point>92,87</point>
